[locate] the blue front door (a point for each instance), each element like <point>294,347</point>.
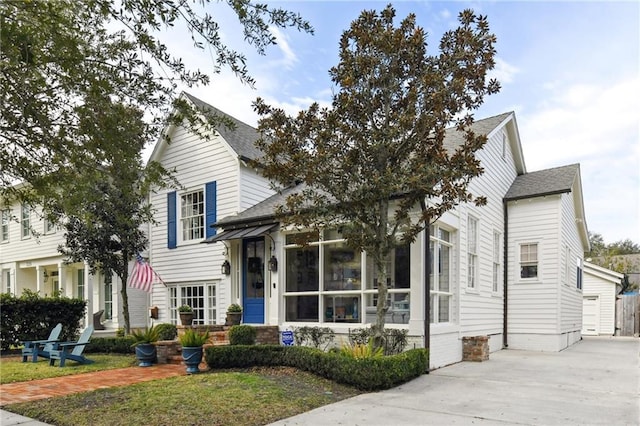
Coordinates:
<point>253,285</point>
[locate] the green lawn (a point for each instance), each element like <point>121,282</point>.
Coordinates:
<point>247,397</point>
<point>12,369</point>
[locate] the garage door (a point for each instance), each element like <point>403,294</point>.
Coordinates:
<point>591,315</point>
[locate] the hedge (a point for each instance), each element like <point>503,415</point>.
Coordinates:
<point>31,317</point>
<point>111,345</point>
<point>368,374</point>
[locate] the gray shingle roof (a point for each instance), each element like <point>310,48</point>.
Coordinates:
<point>241,138</point>
<point>453,138</point>
<point>265,210</point>
<point>544,182</point>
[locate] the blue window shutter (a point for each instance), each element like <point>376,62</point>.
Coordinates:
<point>210,208</point>
<point>171,220</point>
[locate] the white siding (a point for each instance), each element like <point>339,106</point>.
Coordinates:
<point>534,303</point>
<point>571,296</point>
<point>481,309</point>
<point>253,188</point>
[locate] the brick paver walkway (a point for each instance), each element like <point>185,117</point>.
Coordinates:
<point>58,386</point>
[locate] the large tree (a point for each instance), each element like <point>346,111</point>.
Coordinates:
<point>55,53</point>
<point>375,162</point>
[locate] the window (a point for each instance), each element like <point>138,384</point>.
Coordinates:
<point>440,282</point>
<point>4,230</point>
<point>496,261</point>
<point>579,273</point>
<point>108,298</point>
<point>529,260</point>
<point>26,221</point>
<point>324,281</point>
<point>192,215</point>
<point>472,252</point>
<point>49,227</point>
<point>81,284</point>
<point>6,277</point>
<point>201,297</point>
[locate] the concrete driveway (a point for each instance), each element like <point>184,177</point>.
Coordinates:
<point>596,381</point>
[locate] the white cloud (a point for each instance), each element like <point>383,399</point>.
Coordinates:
<point>599,127</point>
<point>289,58</point>
<point>503,71</point>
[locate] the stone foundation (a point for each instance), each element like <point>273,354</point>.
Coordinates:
<point>475,348</point>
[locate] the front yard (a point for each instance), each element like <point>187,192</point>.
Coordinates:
<point>255,396</point>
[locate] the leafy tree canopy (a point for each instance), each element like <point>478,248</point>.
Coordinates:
<point>371,160</point>
<point>56,54</point>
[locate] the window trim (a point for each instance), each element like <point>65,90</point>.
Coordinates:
<point>5,219</point>
<point>25,217</point>
<point>537,262</point>
<point>209,292</point>
<point>497,262</point>
<point>180,219</point>
<point>434,237</point>
<point>472,252</point>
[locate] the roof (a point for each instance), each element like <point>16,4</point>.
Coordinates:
<point>603,273</point>
<point>485,126</point>
<point>557,180</point>
<point>265,210</point>
<point>241,139</point>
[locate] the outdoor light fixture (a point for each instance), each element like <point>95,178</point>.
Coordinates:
<point>226,268</point>
<point>273,264</point>
<point>46,276</point>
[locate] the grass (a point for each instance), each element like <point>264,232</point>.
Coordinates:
<point>250,397</point>
<point>12,369</point>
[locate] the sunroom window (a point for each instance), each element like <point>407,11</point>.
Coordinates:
<point>440,280</point>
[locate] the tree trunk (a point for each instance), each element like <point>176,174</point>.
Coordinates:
<point>125,298</point>
<point>380,265</point>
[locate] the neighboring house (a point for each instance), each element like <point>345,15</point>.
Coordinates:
<point>216,181</point>
<point>523,250</point>
<point>29,259</point>
<point>599,292</point>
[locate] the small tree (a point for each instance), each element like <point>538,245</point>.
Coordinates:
<point>375,162</point>
<point>105,207</point>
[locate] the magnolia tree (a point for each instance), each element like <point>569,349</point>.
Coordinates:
<point>375,162</point>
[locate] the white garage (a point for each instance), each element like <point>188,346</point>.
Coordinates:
<point>600,286</point>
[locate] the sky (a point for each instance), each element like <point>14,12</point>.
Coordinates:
<point>569,70</point>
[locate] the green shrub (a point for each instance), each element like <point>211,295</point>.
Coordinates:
<point>394,340</point>
<point>166,331</point>
<point>368,374</point>
<point>115,345</point>
<point>31,317</point>
<point>317,337</point>
<point>242,335</point>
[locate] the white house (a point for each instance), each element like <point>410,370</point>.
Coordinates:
<point>510,270</point>
<point>600,287</point>
<point>216,182</point>
<point>29,260</point>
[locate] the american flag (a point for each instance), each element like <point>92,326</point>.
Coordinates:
<point>143,276</point>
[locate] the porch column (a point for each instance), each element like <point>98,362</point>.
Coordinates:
<point>88,291</point>
<point>116,298</point>
<point>65,289</point>
<point>39,280</point>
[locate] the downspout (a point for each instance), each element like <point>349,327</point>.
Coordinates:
<point>505,287</point>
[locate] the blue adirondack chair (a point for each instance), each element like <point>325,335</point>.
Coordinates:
<point>71,350</point>
<point>36,348</point>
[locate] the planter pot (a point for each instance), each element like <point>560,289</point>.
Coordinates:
<point>234,318</point>
<point>192,357</point>
<point>146,354</point>
<point>186,318</point>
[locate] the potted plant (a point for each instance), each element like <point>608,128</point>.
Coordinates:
<point>234,314</point>
<point>192,342</point>
<point>186,314</point>
<point>144,339</point>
